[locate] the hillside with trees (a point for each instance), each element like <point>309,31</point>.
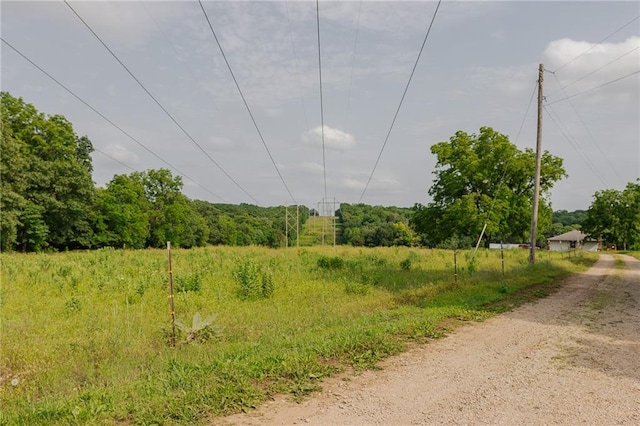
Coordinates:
<point>49,201</point>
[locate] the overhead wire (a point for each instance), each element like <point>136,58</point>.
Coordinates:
<point>562,88</point>
<point>108,120</point>
<point>353,61</point>
<point>295,58</point>
<point>244,100</point>
<point>324,161</point>
<point>595,88</point>
<point>596,44</point>
<point>401,101</point>
<point>575,110</point>
<point>167,113</point>
<point>574,144</point>
<point>535,88</point>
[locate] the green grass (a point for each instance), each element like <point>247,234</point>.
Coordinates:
<point>85,335</point>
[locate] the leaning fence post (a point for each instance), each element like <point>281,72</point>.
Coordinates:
<point>171,306</point>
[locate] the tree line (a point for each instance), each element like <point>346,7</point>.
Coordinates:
<point>482,182</point>
<point>50,202</point>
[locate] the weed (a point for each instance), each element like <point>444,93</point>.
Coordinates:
<point>191,282</point>
<point>72,306</point>
<point>200,330</point>
<point>326,262</point>
<point>254,282</point>
<point>406,264</point>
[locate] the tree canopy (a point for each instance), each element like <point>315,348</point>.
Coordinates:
<point>614,216</point>
<point>47,188</point>
<point>485,179</point>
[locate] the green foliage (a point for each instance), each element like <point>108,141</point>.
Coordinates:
<point>47,191</point>
<point>567,218</point>
<point>330,262</point>
<point>375,226</point>
<point>190,282</point>
<point>614,216</point>
<point>255,282</point>
<point>201,330</point>
<point>85,332</point>
<point>406,264</point>
<point>484,178</point>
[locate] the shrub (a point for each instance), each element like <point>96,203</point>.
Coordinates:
<point>186,283</point>
<point>406,264</point>
<point>326,262</point>
<point>254,282</point>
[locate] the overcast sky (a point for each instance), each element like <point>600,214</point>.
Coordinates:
<point>479,68</point>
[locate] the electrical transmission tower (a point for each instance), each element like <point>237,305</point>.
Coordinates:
<point>327,211</point>
<point>292,223</point>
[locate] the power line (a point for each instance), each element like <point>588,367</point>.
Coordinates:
<point>594,88</point>
<point>588,132</point>
<point>324,163</point>
<point>535,86</point>
<point>386,139</point>
<point>596,44</point>
<point>574,145</point>
<point>353,61</point>
<point>159,104</point>
<point>245,103</point>
<point>295,57</point>
<point>591,73</point>
<point>107,120</point>
<point>114,159</point>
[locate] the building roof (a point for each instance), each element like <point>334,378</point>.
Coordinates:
<point>574,235</point>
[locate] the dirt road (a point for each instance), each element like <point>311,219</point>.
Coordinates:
<point>571,358</point>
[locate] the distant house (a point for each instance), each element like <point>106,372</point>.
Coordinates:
<point>572,240</point>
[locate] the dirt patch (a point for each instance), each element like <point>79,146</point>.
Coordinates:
<point>570,358</point>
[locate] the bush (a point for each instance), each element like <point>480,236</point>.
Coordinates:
<point>254,282</point>
<point>188,283</point>
<point>326,262</point>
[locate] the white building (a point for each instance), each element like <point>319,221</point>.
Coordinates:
<point>572,240</point>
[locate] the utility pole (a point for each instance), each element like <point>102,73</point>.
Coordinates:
<point>536,185</point>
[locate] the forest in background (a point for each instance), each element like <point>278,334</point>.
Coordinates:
<point>50,202</point>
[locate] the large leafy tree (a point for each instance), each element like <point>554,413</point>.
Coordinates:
<point>123,213</point>
<point>49,190</point>
<point>485,179</point>
<point>614,216</point>
<point>171,215</point>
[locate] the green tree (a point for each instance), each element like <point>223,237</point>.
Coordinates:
<point>614,216</point>
<point>13,186</point>
<point>123,219</point>
<point>485,179</point>
<point>56,177</point>
<point>171,214</point>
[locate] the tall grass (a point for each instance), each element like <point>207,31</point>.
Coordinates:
<point>85,335</point>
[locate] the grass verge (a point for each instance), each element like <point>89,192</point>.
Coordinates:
<point>84,335</point>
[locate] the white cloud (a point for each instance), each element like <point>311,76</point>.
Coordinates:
<point>584,66</point>
<point>310,167</point>
<point>333,138</point>
<point>121,153</point>
<point>218,143</point>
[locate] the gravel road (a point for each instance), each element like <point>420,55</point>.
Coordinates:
<point>570,358</point>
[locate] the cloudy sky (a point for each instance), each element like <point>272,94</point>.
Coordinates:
<point>479,68</point>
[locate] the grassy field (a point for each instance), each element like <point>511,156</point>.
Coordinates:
<point>85,336</point>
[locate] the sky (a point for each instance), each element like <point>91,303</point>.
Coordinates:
<point>479,67</point>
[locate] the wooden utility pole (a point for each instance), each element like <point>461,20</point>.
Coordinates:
<point>536,185</point>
